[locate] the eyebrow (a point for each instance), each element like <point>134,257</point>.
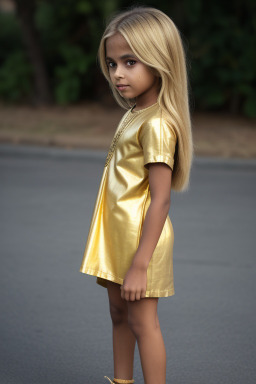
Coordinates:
<point>126,56</point>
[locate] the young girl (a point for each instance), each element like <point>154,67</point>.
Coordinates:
<point>130,241</point>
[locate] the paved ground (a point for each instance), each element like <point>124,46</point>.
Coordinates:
<point>54,321</point>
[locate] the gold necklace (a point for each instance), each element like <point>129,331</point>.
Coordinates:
<point>127,121</point>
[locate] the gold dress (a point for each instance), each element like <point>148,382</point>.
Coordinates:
<point>123,198</point>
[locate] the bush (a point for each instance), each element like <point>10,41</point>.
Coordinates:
<point>220,39</point>
<point>15,78</point>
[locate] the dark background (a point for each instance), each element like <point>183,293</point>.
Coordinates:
<point>48,51</point>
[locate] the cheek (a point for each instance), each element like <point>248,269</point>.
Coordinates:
<point>145,79</point>
<point>142,78</point>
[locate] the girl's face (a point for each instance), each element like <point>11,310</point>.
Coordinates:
<point>132,78</point>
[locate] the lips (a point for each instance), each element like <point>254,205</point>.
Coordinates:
<point>121,87</point>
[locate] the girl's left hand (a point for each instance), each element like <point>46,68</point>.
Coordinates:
<point>135,284</point>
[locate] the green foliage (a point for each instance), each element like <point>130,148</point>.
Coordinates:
<point>68,75</point>
<point>70,33</point>
<point>222,41</point>
<point>15,71</point>
<point>10,38</point>
<point>15,77</point>
<point>219,38</point>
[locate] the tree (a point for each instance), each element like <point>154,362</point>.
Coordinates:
<point>25,10</point>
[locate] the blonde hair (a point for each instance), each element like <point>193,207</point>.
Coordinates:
<point>155,40</point>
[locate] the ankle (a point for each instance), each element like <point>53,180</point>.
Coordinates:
<point>120,381</point>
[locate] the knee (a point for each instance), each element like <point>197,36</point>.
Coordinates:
<point>141,325</point>
<point>118,314</point>
<point>138,326</point>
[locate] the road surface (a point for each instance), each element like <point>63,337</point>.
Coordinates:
<point>54,322</point>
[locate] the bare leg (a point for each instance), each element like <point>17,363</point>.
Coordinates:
<point>123,338</point>
<point>144,323</point>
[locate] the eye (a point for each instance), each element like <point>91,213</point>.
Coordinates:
<point>110,64</point>
<point>131,62</point>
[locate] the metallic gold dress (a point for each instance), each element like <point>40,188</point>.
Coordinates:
<point>123,198</point>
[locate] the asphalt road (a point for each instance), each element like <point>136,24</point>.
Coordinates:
<point>54,322</point>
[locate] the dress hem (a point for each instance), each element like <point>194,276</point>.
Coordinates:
<point>107,276</point>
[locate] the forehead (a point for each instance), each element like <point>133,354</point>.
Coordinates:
<point>117,46</point>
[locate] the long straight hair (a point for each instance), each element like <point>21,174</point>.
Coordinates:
<point>155,40</point>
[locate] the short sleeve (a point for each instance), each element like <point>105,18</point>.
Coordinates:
<point>158,141</point>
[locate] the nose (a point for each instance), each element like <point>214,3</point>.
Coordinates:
<point>118,72</point>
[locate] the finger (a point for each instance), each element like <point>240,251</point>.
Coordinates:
<point>127,295</point>
<point>138,296</point>
<point>132,296</point>
<point>143,294</point>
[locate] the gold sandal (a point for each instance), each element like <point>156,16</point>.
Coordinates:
<point>119,381</point>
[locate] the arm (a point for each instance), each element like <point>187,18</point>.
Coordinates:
<point>134,286</point>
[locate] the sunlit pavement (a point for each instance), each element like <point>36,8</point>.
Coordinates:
<point>54,322</point>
